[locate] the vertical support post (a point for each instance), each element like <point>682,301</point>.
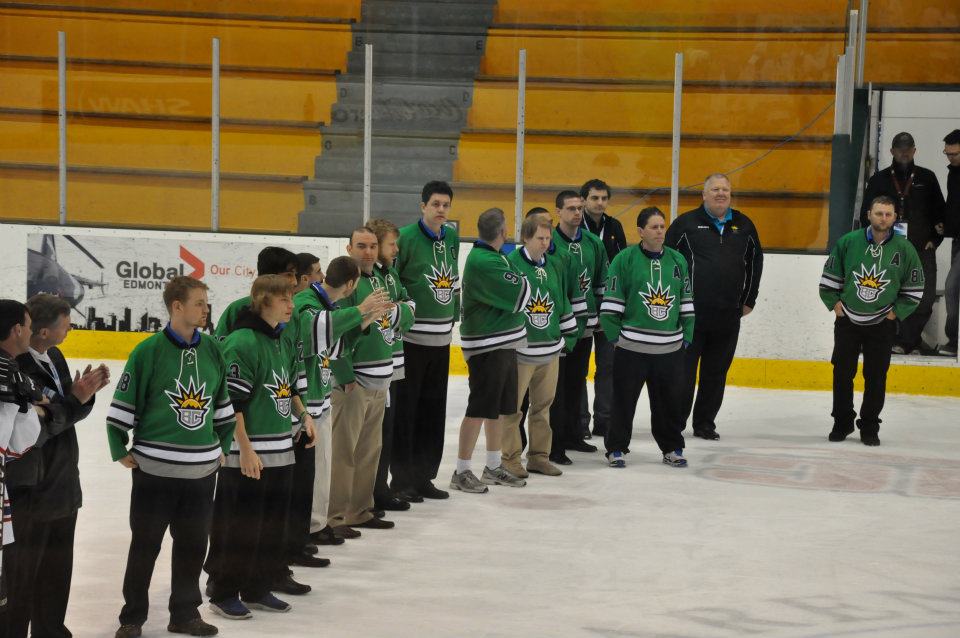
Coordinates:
<point>367,127</point>
<point>675,152</point>
<point>521,132</point>
<point>215,139</point>
<point>62,122</point>
<point>839,96</point>
<point>862,41</point>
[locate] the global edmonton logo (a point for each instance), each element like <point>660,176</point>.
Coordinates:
<point>190,404</point>
<point>154,276</point>
<point>441,283</point>
<point>658,301</point>
<point>281,393</point>
<point>539,309</point>
<point>870,283</point>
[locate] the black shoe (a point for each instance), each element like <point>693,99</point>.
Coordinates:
<point>377,513</point>
<point>287,585</point>
<point>410,495</point>
<point>326,536</point>
<point>193,627</point>
<point>128,631</point>
<point>560,458</point>
<point>709,435</point>
<point>310,548</point>
<point>869,439</point>
<point>346,531</point>
<point>599,431</point>
<point>839,433</point>
<point>392,504</point>
<point>582,446</point>
<point>375,523</point>
<point>306,560</point>
<point>587,435</point>
<point>429,490</point>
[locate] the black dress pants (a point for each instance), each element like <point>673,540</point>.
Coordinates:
<point>246,540</point>
<point>603,353</point>
<point>38,569</point>
<point>301,496</point>
<point>565,411</point>
<point>185,506</point>
<point>714,343</point>
<point>420,416</point>
<point>911,328</point>
<point>381,489</point>
<point>875,342</point>
<point>662,374</point>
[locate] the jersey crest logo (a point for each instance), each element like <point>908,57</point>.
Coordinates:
<point>658,301</point>
<point>383,325</point>
<point>584,281</point>
<point>870,283</point>
<point>190,404</point>
<point>441,283</point>
<point>281,393</point>
<point>539,310</point>
<point>325,370</point>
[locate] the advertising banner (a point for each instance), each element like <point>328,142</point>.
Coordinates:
<point>116,283</point>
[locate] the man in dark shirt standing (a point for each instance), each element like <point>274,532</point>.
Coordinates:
<point>951,228</point>
<point>723,251</point>
<point>596,196</point>
<point>919,203</point>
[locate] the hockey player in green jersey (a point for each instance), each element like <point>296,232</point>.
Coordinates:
<point>173,399</point>
<point>362,371</point>
<point>320,323</point>
<point>872,278</point>
<point>494,296</point>
<point>272,260</point>
<point>549,317</point>
<point>647,313</point>
<point>588,261</point>
<point>387,234</point>
<point>253,489</point>
<point>427,264</point>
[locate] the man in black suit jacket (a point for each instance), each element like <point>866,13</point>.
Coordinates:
<point>44,483</point>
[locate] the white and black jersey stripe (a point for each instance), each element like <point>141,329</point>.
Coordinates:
<point>122,415</point>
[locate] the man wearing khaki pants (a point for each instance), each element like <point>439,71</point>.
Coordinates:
<point>549,319</point>
<point>362,372</point>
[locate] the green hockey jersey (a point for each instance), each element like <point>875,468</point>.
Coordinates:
<point>229,317</point>
<point>870,280</point>
<point>588,260</point>
<point>367,355</point>
<point>321,323</point>
<point>173,398</point>
<point>428,268</point>
<point>648,303</point>
<point>494,296</point>
<point>548,313</point>
<point>407,308</point>
<point>262,372</point>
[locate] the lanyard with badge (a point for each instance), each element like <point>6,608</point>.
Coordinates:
<point>900,227</point>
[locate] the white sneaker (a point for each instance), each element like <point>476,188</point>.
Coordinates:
<point>675,458</point>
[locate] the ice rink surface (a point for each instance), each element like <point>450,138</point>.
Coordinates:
<point>771,531</point>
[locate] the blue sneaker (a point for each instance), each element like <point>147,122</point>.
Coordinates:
<point>230,608</point>
<point>616,459</point>
<point>674,458</point>
<point>269,602</point>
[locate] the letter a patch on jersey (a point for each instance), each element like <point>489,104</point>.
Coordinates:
<point>870,284</point>
<point>442,283</point>
<point>658,301</point>
<point>281,392</point>
<point>190,404</point>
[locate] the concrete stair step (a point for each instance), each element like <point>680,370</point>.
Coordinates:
<point>432,15</point>
<point>425,66</point>
<point>385,147</point>
<point>417,43</point>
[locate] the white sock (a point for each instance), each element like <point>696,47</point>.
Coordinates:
<point>493,459</point>
<point>463,465</point>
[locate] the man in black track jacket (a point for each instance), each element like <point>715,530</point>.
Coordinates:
<point>723,251</point>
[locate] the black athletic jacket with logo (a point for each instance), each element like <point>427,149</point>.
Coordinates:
<point>725,268</point>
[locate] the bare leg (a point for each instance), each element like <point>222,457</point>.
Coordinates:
<point>469,433</point>
<point>493,430</point>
